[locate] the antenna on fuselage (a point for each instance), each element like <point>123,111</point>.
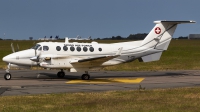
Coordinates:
<point>66,40</point>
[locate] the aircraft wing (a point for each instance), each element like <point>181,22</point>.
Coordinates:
<point>94,61</point>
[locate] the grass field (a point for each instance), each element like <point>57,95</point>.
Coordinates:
<point>162,100</point>
<point>181,55</point>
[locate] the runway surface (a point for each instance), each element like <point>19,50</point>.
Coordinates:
<point>25,82</point>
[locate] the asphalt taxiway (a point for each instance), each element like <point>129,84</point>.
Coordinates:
<point>26,82</point>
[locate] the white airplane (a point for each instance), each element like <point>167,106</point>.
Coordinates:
<point>82,57</point>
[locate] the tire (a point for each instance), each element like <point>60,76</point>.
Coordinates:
<point>61,74</point>
<point>85,77</point>
<point>7,76</point>
<point>58,74</point>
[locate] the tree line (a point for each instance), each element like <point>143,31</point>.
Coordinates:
<point>139,36</point>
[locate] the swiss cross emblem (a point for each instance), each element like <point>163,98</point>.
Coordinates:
<point>157,30</point>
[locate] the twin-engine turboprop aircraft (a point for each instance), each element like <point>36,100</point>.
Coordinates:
<point>82,57</point>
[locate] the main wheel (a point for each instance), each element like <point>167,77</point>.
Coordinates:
<point>7,76</point>
<point>85,77</point>
<point>61,74</point>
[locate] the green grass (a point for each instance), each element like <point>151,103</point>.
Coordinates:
<point>181,55</point>
<point>164,100</point>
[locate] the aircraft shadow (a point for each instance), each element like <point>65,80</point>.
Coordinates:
<point>46,76</point>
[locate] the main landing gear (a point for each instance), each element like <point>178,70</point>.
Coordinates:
<point>7,76</point>
<point>61,74</point>
<point>85,76</point>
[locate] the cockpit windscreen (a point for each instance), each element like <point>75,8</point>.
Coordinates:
<point>36,46</point>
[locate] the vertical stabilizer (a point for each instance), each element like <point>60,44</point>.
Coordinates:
<point>160,36</point>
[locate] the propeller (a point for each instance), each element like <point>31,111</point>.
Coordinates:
<point>13,49</point>
<point>36,58</point>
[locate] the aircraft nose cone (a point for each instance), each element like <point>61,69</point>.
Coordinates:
<point>6,59</point>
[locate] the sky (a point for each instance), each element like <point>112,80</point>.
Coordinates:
<point>21,19</point>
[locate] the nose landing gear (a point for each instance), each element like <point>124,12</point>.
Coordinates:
<point>7,76</point>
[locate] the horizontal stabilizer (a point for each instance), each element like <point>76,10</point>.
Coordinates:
<point>175,22</point>
<point>152,57</point>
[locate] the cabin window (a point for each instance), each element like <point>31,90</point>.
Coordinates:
<point>65,48</point>
<point>45,48</point>
<point>78,49</point>
<point>72,48</point>
<point>85,49</point>
<point>91,49</point>
<point>100,49</point>
<point>58,48</point>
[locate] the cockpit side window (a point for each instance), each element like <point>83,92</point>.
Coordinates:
<point>45,48</point>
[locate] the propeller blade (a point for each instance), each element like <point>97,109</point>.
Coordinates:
<point>35,58</point>
<point>17,47</point>
<point>13,49</point>
<point>35,53</point>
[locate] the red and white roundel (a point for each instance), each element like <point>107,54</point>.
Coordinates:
<point>157,30</point>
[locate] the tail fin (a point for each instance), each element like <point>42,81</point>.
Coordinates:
<point>160,36</point>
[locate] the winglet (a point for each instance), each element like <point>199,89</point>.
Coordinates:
<point>119,51</point>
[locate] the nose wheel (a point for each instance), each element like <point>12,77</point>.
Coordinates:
<point>7,76</point>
